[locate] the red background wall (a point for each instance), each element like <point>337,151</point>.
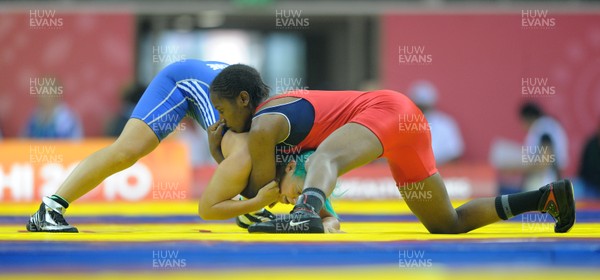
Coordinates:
<point>478,62</point>
<point>91,55</point>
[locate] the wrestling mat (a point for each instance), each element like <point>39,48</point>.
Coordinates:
<point>382,239</point>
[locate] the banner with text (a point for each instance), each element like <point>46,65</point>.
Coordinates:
<point>32,169</point>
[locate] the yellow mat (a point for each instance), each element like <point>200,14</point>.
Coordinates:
<point>228,231</point>
<point>186,207</point>
<point>494,273</point>
<point>367,232</point>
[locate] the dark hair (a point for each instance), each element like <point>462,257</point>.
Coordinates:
<point>531,110</point>
<point>236,78</point>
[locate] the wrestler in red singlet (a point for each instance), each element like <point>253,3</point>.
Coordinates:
<point>400,126</point>
<point>317,119</point>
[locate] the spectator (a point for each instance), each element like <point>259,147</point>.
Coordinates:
<point>544,153</point>
<point>52,118</point>
<point>446,138</point>
<point>589,169</point>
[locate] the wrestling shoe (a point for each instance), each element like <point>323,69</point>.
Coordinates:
<point>558,201</point>
<point>49,218</point>
<point>303,219</point>
<point>244,221</point>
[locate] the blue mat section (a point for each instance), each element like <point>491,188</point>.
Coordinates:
<point>201,255</point>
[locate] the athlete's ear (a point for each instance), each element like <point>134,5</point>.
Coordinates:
<point>244,98</point>
<point>291,166</point>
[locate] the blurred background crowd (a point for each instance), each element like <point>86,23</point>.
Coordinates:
<point>507,84</point>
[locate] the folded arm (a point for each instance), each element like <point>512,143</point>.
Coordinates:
<point>266,132</point>
<point>230,179</point>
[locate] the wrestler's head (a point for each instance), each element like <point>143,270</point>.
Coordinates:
<point>236,93</point>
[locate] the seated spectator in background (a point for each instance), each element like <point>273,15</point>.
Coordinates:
<point>52,118</point>
<point>589,169</point>
<point>130,97</point>
<point>446,138</point>
<point>544,152</point>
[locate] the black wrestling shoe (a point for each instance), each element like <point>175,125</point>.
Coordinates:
<point>244,221</point>
<point>49,218</point>
<point>303,219</point>
<point>559,202</point>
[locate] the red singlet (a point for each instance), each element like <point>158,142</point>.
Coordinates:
<point>400,126</point>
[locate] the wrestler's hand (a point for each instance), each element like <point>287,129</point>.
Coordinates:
<point>269,194</point>
<point>331,225</point>
<point>215,135</point>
